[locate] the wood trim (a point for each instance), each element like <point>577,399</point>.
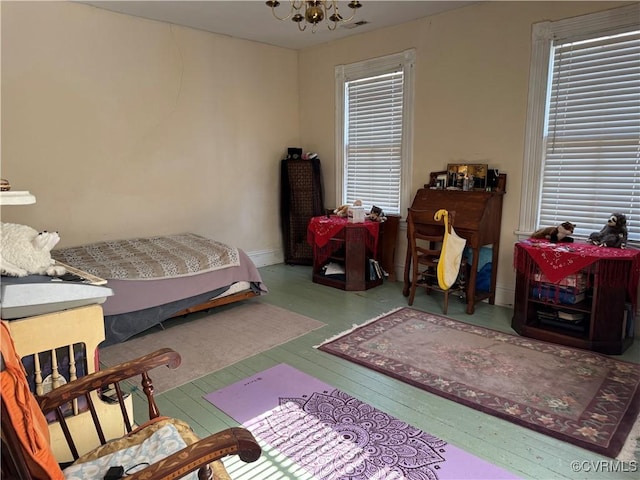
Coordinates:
<point>217,302</point>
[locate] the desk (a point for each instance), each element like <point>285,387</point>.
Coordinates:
<point>610,289</point>
<point>478,220</point>
<point>349,244</point>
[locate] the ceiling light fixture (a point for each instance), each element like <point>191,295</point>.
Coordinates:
<point>315,12</point>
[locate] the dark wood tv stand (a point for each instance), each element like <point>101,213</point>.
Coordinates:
<point>607,307</point>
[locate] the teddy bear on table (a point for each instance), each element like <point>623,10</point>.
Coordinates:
<point>556,234</point>
<point>613,234</point>
<point>377,215</point>
<point>25,251</point>
<point>343,210</point>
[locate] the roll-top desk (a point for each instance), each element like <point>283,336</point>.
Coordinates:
<point>478,220</point>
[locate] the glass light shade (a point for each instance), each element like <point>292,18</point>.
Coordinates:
<point>314,14</point>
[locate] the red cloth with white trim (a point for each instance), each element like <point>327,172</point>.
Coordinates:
<point>322,229</point>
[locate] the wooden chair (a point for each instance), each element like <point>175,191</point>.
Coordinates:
<point>424,237</point>
<point>26,452</point>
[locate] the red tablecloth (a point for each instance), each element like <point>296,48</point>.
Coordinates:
<point>617,267</point>
<point>322,229</point>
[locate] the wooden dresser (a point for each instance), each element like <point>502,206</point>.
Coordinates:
<point>478,220</point>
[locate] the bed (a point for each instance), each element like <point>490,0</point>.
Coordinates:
<point>157,278</point>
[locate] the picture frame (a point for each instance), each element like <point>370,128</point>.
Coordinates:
<point>433,179</point>
<point>457,172</point>
<point>501,187</point>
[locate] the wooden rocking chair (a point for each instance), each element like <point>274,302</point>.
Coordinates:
<point>26,453</point>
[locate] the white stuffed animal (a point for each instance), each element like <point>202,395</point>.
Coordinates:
<point>25,251</point>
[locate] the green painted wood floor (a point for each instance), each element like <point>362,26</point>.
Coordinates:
<point>524,452</point>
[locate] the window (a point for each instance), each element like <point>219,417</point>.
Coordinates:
<point>374,103</point>
<point>582,146</point>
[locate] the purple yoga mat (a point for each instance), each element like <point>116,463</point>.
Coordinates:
<point>335,436</point>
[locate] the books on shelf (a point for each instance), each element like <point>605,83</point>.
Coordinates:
<point>547,314</point>
<point>628,321</point>
<point>332,268</point>
<point>552,318</point>
<point>576,280</point>
<point>375,270</point>
<point>571,316</point>
<point>579,327</point>
<point>556,294</point>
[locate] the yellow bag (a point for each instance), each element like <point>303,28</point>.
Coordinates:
<point>451,254</point>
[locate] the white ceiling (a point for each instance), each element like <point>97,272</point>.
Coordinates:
<point>252,20</point>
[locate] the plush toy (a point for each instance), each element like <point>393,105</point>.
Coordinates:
<point>613,234</point>
<point>24,251</point>
<point>377,215</point>
<point>556,234</point>
<point>342,210</point>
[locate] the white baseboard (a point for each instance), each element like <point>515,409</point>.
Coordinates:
<point>263,258</point>
<point>505,296</point>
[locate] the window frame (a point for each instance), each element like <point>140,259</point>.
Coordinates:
<point>371,68</point>
<point>543,35</point>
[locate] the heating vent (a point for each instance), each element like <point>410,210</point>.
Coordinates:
<point>355,24</point>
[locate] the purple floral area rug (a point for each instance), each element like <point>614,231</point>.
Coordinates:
<point>332,435</point>
<point>578,396</point>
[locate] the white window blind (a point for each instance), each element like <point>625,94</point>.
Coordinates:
<point>592,134</point>
<point>373,144</point>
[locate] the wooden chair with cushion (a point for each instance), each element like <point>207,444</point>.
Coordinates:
<point>424,237</point>
<point>163,448</point>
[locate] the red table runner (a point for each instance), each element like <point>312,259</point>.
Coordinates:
<point>322,229</point>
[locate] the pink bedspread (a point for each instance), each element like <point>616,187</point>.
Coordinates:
<point>132,295</point>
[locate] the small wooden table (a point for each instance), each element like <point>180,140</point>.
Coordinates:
<point>351,245</point>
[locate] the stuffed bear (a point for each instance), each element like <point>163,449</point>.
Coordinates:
<point>342,210</point>
<point>24,251</point>
<point>556,234</point>
<point>377,215</point>
<point>613,234</point>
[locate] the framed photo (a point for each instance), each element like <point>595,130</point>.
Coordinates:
<point>502,183</point>
<point>475,172</point>
<point>438,179</point>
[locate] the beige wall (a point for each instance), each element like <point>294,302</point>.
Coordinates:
<point>123,126</point>
<point>471,81</point>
